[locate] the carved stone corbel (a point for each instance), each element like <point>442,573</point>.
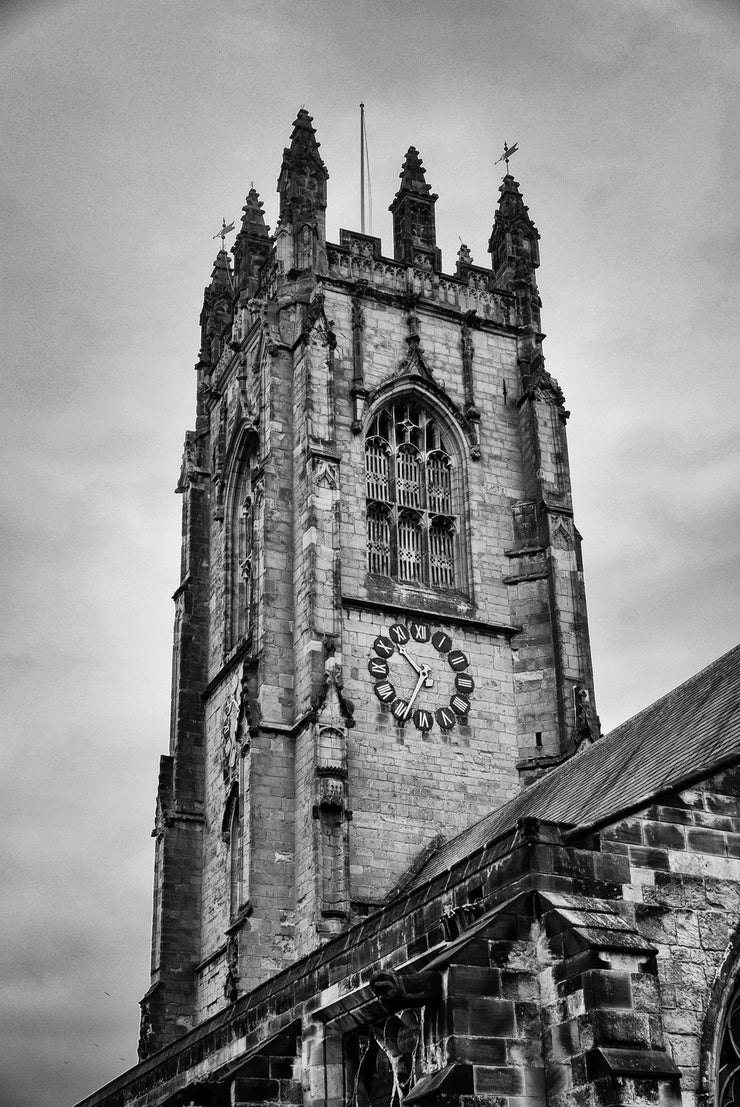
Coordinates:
<point>398,991</point>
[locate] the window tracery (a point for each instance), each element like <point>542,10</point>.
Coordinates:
<point>411,496</point>
<point>728,1057</point>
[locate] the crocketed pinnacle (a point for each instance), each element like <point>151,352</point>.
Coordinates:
<point>253,218</point>
<point>413,175</point>
<point>221,275</point>
<point>511,207</point>
<point>303,145</point>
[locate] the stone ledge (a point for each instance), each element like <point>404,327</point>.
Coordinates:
<point>381,607</point>
<point>655,1063</point>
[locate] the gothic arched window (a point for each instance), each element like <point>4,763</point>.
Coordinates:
<point>411,497</point>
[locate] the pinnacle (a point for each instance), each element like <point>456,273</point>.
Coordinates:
<point>303,127</point>
<point>412,174</point>
<point>221,275</point>
<point>510,187</point>
<point>303,144</point>
<point>464,256</point>
<point>511,203</point>
<point>253,219</point>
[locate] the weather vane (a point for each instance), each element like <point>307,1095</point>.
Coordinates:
<point>223,232</point>
<point>508,151</point>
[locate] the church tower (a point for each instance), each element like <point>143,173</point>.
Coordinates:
<point>380,625</point>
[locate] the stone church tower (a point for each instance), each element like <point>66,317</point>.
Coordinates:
<point>394,867</point>
<point>380,626</point>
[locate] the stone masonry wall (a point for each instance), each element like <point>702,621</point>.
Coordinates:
<point>684,893</point>
<point>554,965</point>
<point>403,787</point>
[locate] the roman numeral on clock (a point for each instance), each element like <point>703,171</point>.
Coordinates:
<point>445,718</point>
<point>419,632</point>
<point>385,691</point>
<point>383,646</point>
<point>398,634</point>
<point>423,719</point>
<point>441,641</point>
<point>457,660</point>
<point>401,710</point>
<point>460,704</point>
<point>378,667</point>
<point>464,682</point>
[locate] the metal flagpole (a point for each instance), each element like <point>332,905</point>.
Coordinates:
<point>362,168</point>
<point>369,182</point>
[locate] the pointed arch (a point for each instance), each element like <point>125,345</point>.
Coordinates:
<point>407,379</point>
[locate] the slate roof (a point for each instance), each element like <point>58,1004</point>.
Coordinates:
<point>688,734</point>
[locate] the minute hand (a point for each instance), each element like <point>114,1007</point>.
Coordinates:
<point>405,653</point>
<point>415,693</point>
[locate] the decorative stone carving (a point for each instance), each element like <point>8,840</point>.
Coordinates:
<point>561,533</point>
<point>538,384</point>
<point>231,983</point>
<point>332,709</point>
<point>333,717</point>
<point>407,990</point>
<point>146,1031</point>
<point>587,728</point>
<point>326,473</point>
<point>190,470</point>
<point>332,793</point>
<point>230,740</point>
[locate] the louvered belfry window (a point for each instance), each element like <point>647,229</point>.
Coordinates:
<point>411,498</point>
<point>378,539</point>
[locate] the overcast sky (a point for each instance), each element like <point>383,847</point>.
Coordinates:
<point>129,130</point>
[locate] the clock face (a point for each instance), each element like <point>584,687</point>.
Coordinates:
<point>420,674</point>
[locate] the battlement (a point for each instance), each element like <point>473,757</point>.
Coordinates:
<point>358,258</point>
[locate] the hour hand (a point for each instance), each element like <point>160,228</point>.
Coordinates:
<point>422,670</point>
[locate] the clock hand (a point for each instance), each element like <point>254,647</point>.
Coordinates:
<point>414,694</point>
<point>405,653</point>
<point>423,670</point>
